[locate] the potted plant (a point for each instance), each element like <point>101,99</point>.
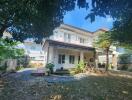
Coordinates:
<point>50,66</point>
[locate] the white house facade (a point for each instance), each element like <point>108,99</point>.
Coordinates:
<point>68,45</point>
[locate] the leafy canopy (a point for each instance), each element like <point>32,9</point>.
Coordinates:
<point>104,40</point>
<point>121,12</point>
<point>9,50</point>
<point>34,18</point>
<point>38,18</point>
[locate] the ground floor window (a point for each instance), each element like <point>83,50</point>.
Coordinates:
<point>61,59</point>
<point>78,59</point>
<point>71,59</point>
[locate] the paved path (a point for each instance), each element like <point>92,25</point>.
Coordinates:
<point>25,75</point>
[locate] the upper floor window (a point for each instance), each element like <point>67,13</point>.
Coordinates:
<point>67,37</point>
<point>82,40</point>
<point>61,59</point>
<point>76,38</point>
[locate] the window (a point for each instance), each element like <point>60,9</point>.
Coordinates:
<point>69,37</point>
<point>32,58</point>
<point>82,40</point>
<point>78,59</point>
<point>65,37</point>
<point>71,59</point>
<point>61,59</point>
<point>76,38</point>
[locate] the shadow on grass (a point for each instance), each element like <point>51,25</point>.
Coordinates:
<point>89,88</point>
<point>93,88</point>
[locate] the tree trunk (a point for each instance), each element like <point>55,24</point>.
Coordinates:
<point>107,59</point>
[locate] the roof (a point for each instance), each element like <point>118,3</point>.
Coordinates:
<point>70,26</point>
<point>68,45</point>
<point>77,28</point>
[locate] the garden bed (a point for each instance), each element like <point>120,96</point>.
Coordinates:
<point>65,72</point>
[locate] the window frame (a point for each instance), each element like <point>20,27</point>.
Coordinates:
<point>71,59</point>
<point>61,59</point>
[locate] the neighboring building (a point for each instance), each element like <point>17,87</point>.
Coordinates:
<point>101,56</point>
<point>68,45</point>
<point>34,51</point>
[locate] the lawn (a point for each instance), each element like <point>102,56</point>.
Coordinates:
<point>103,87</point>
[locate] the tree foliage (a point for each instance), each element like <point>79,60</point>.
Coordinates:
<point>34,18</point>
<point>9,50</point>
<point>104,42</point>
<point>38,18</point>
<point>121,12</point>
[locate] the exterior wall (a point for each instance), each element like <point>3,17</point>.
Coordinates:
<point>102,58</point>
<point>62,35</point>
<point>67,53</point>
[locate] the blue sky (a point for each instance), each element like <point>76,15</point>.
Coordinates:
<point>77,18</point>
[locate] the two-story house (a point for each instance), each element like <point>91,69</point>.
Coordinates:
<point>68,45</point>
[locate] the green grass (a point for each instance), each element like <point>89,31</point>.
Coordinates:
<point>94,88</point>
<point>90,88</point>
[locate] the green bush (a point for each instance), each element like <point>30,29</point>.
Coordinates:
<point>130,70</point>
<point>19,68</point>
<point>3,68</point>
<point>80,67</point>
<point>124,67</point>
<point>50,66</point>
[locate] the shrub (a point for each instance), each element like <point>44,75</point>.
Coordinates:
<point>124,67</point>
<point>19,68</point>
<point>50,66</point>
<point>80,67</point>
<point>3,68</point>
<point>130,70</point>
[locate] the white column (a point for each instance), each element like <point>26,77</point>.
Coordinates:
<point>81,56</point>
<point>96,60</point>
<point>51,55</point>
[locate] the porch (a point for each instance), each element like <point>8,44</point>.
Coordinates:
<point>68,56</point>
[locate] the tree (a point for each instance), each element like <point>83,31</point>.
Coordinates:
<point>121,12</point>
<point>9,50</point>
<point>34,18</point>
<point>38,18</point>
<point>104,41</point>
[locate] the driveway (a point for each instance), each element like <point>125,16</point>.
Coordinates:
<point>25,75</point>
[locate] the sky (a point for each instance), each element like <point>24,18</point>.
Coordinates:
<point>77,18</point>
